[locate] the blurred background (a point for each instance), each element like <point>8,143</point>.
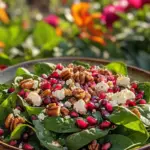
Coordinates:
<point>107,29</point>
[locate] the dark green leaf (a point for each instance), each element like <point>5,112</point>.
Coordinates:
<point>98,116</point>
<point>145,86</point>
<point>60,125</point>
<point>81,63</point>
<point>78,140</point>
<point>117,67</point>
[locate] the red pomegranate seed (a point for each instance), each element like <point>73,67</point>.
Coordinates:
<point>111,78</point>
<point>53,81</point>
<point>27,146</point>
<point>102,95</point>
<point>130,103</point>
<point>74,114</point>
<point>26,94</point>
<point>11,90</point>
<point>45,85</point>
<point>116,89</point>
<point>1,132</point>
<point>81,123</point>
<point>59,66</point>
<point>139,96</point>
<point>109,107</point>
<point>13,143</point>
<point>110,90</point>
<point>132,90</point>
<point>142,101</point>
<point>134,85</point>
<point>33,117</point>
<point>106,146</point>
<point>91,120</point>
<point>58,87</point>
<point>90,106</point>
<point>55,75</point>
<point>103,102</point>
<point>21,93</point>
<point>105,124</point>
<point>46,101</point>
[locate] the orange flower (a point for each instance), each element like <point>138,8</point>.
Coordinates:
<point>86,22</point>
<point>2,45</point>
<point>59,31</point>
<point>3,16</point>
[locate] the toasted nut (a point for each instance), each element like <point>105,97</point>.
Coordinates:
<point>136,112</point>
<point>91,91</point>
<point>12,125</point>
<point>46,93</point>
<point>66,74</point>
<point>78,68</point>
<point>88,76</point>
<point>64,111</point>
<point>27,84</point>
<point>68,92</point>
<point>76,76</point>
<point>53,110</point>
<point>94,145</point>
<point>9,120</point>
<point>87,97</point>
<point>79,93</point>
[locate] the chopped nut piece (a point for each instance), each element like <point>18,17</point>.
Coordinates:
<point>136,112</point>
<point>94,145</point>
<point>87,97</point>
<point>27,84</point>
<point>53,110</point>
<point>8,120</point>
<point>64,111</point>
<point>66,74</point>
<point>46,93</point>
<point>78,93</point>
<point>68,92</point>
<point>91,91</point>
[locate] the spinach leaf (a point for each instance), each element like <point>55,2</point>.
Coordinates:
<point>44,68</point>
<point>123,144</point>
<point>17,132</point>
<point>4,87</point>
<point>98,116</point>
<point>81,63</point>
<point>78,140</point>
<point>46,137</point>
<point>6,106</point>
<point>60,125</point>
<point>117,67</point>
<point>135,128</point>
<point>21,71</point>
<point>145,86</point>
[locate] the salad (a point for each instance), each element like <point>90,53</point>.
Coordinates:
<point>77,106</point>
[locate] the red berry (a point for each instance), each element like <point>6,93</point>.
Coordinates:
<point>109,107</point>
<point>139,96</point>
<point>45,85</point>
<point>33,117</point>
<point>74,114</point>
<point>11,90</point>
<point>54,74</point>
<point>91,120</point>
<point>141,92</point>
<point>21,93</point>
<point>13,143</point>
<point>46,101</point>
<point>102,95</point>
<point>106,146</point>
<point>1,132</point>
<point>59,66</point>
<point>58,87</point>
<point>142,101</point>
<point>116,89</point>
<point>111,78</point>
<point>27,146</point>
<point>81,123</point>
<point>130,103</point>
<point>53,81</point>
<point>134,85</point>
<point>90,106</point>
<point>132,90</point>
<point>103,102</point>
<point>110,90</point>
<point>105,124</point>
<point>26,94</point>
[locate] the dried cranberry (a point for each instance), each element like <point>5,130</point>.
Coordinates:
<point>91,120</point>
<point>81,123</point>
<point>142,101</point>
<point>105,124</point>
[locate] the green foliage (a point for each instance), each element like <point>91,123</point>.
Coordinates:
<point>21,71</point>
<point>84,64</point>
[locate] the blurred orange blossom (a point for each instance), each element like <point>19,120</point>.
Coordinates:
<point>3,16</point>
<point>86,22</point>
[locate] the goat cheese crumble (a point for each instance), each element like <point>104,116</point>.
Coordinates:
<point>102,87</point>
<point>60,94</point>
<point>123,81</point>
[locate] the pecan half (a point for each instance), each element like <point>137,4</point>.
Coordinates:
<point>66,74</point>
<point>78,68</point>
<point>87,97</point>
<point>68,92</point>
<point>27,84</point>
<point>64,111</point>
<point>46,93</point>
<point>53,110</point>
<point>94,145</point>
<point>8,120</point>
<point>91,91</point>
<point>79,93</point>
<point>136,112</point>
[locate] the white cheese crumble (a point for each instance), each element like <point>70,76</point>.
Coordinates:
<point>123,81</point>
<point>35,98</point>
<point>20,145</point>
<point>60,94</point>
<point>69,82</point>
<point>79,106</point>
<point>102,87</point>
<point>16,112</point>
<point>77,85</point>
<point>36,84</point>
<point>120,97</point>
<point>68,104</point>
<point>41,116</point>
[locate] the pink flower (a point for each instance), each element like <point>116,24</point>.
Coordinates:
<point>52,20</point>
<point>138,3</point>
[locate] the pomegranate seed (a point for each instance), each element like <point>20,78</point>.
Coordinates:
<point>27,146</point>
<point>21,93</point>
<point>116,89</point>
<point>74,114</point>
<point>111,78</point>
<point>81,123</point>
<point>102,95</point>
<point>25,136</point>
<point>59,66</point>
<point>53,81</point>
<point>141,92</point>
<point>130,103</point>
<point>106,146</point>
<point>104,113</point>
<point>1,132</point>
<point>46,101</point>
<point>142,101</point>
<point>134,85</point>
<point>94,73</point>
<point>33,117</point>
<point>90,106</point>
<point>110,91</point>
<point>91,120</point>
<point>26,94</point>
<point>139,96</point>
<point>109,107</point>
<point>44,76</point>
<point>45,85</point>
<point>11,90</point>
<point>55,75</point>
<point>58,87</point>
<point>132,90</point>
<point>103,102</point>
<point>105,124</point>
<point>13,143</point>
